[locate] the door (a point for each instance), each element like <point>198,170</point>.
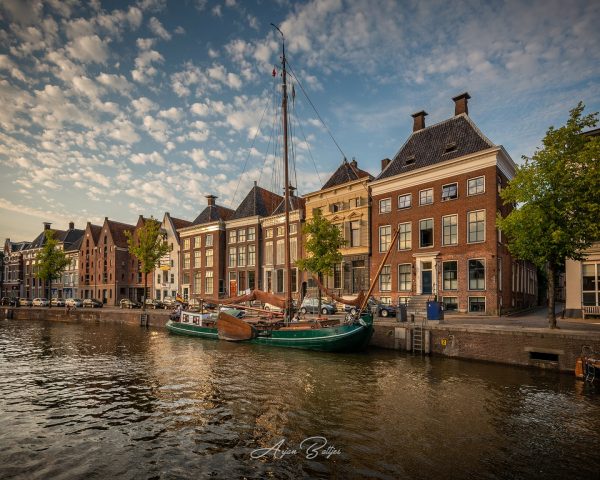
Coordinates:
<point>426,278</point>
<point>426,282</point>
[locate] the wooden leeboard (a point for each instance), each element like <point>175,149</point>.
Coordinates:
<point>233,329</point>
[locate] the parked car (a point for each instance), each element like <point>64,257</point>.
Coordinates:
<point>91,303</point>
<point>169,302</point>
<point>9,301</point>
<point>40,302</point>
<point>311,305</point>
<point>154,303</point>
<point>383,309</point>
<point>25,302</point>
<point>74,302</point>
<point>128,303</point>
<point>57,302</point>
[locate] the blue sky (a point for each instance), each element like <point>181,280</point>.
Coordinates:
<point>119,109</point>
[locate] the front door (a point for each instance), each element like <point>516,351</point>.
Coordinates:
<point>426,278</point>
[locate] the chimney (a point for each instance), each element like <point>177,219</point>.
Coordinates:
<point>292,190</point>
<point>419,120</point>
<point>384,163</point>
<point>211,200</point>
<point>47,225</point>
<point>354,163</point>
<point>71,225</point>
<point>255,183</point>
<point>461,104</point>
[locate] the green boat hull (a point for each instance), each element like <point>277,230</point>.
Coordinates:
<point>340,338</point>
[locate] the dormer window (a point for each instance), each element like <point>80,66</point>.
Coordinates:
<point>450,147</point>
<point>410,160</point>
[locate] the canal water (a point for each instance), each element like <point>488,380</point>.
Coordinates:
<point>97,400</point>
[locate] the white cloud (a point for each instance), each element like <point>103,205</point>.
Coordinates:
<point>199,109</point>
<point>143,105</point>
<point>7,64</point>
<point>173,114</point>
<point>157,28</point>
<point>124,131</point>
<point>199,157</point>
<point>156,128</point>
<point>216,11</point>
<point>218,154</point>
<point>143,158</point>
<point>118,83</point>
<point>89,48</point>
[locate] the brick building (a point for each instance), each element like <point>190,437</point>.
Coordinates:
<point>107,271</point>
<point>273,247</point>
<point>244,236</point>
<point>33,286</point>
<point>203,252</point>
<point>441,190</point>
<point>344,201</point>
<point>13,285</point>
<point>166,275</point>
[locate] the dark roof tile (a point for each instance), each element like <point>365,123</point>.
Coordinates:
<point>296,203</point>
<point>346,173</point>
<point>452,138</point>
<point>213,213</point>
<point>259,201</point>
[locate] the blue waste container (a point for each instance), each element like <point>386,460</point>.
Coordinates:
<point>435,311</point>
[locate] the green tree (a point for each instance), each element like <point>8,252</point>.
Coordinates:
<point>556,195</point>
<point>51,261</point>
<point>148,245</point>
<point>323,244</point>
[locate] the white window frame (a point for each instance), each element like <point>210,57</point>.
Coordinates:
<point>421,203</point>
<point>379,239</point>
<point>432,232</point>
<point>449,198</point>
<point>469,194</point>
<point>469,225</point>
<point>381,276</point>
<point>381,203</point>
<point>444,232</point>
<point>409,195</point>
<point>400,289</point>
<point>409,237</point>
<point>476,296</point>
<point>484,275</point>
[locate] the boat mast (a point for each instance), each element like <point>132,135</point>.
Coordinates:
<point>288,267</point>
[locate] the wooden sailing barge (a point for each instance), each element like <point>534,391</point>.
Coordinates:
<point>352,334</point>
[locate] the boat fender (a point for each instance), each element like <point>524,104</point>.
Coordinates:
<point>362,322</point>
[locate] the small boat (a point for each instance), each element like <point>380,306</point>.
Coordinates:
<point>328,335</point>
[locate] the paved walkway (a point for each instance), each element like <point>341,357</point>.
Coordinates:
<point>533,319</point>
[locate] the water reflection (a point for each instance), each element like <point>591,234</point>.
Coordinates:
<point>92,400</point>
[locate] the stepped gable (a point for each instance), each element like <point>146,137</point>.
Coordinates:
<point>452,138</point>
<point>259,201</point>
<point>346,172</point>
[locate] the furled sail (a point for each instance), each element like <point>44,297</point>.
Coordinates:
<point>355,302</point>
<point>259,295</point>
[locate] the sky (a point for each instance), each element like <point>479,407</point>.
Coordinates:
<point>116,109</point>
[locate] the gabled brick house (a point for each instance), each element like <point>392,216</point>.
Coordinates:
<point>166,275</point>
<point>13,282</point>
<point>344,201</point>
<point>273,247</point>
<point>203,250</point>
<point>442,191</point>
<point>244,235</point>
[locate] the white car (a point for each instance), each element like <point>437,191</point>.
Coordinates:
<point>40,302</point>
<point>73,302</point>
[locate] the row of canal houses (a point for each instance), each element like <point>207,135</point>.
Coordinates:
<point>441,189</point>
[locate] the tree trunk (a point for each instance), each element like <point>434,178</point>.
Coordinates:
<point>145,289</point>
<point>48,292</point>
<point>551,297</point>
<point>320,294</point>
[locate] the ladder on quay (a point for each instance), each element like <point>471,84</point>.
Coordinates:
<point>417,346</point>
